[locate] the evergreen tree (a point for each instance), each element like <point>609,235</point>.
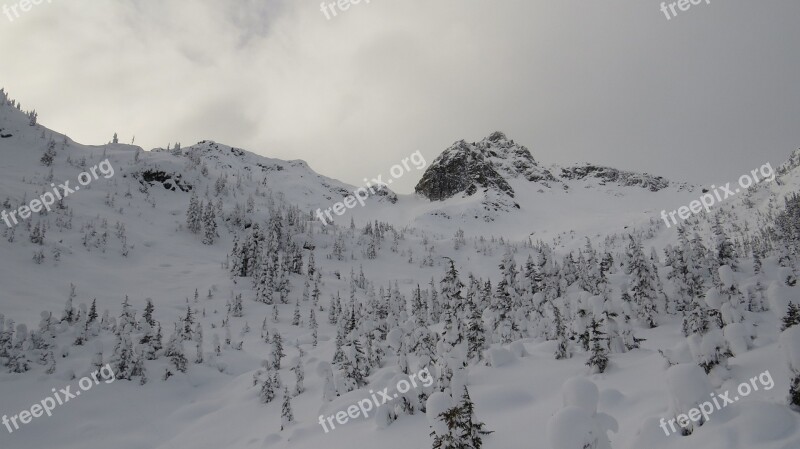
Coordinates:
<point>642,283</point>
<point>287,418</point>
<point>452,303</point>
<point>51,363</point>
<point>354,366</point>
<point>598,361</point>
<point>267,391</point>
<point>311,268</point>
<point>725,252</point>
<point>463,430</point>
<point>174,351</point>
<point>792,317</point>
<point>92,312</point>
<point>299,377</point>
<point>418,309</point>
<point>139,369</point>
<point>50,154</point>
<point>562,350</point>
<point>695,319</point>
<point>148,313</point>
<point>312,319</point>
<point>794,390</point>
<point>198,339</point>
<point>122,358</point>
<point>476,334</point>
<point>194,215</point>
<point>296,316</point>
<point>277,350</point>
<point>69,311</point>
<point>187,325</point>
<point>209,225</point>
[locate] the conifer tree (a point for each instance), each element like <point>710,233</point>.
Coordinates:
<point>174,350</point>
<point>642,283</point>
<point>287,418</point>
<point>476,334</point>
<point>122,358</point>
<point>267,391</point>
<point>139,368</point>
<point>198,339</point>
<point>463,430</point>
<point>237,308</point>
<point>209,225</point>
<point>148,313</point>
<point>792,317</point>
<point>562,350</point>
<point>277,350</point>
<point>69,311</point>
<point>51,362</point>
<point>187,324</point>
<point>194,215</point>
<point>311,268</point>
<point>598,361</point>
<point>299,377</point>
<point>296,316</point>
<point>312,319</point>
<point>418,309</point>
<point>92,312</point>
<point>725,252</point>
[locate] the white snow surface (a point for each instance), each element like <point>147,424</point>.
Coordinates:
<point>214,405</point>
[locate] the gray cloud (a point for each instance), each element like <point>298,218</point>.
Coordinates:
<point>705,96</point>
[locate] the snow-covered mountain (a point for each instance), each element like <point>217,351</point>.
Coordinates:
<point>557,273</point>
<point>491,164</point>
<point>496,186</point>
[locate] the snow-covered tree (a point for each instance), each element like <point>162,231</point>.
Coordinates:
<point>174,351</point>
<point>209,225</point>
<point>287,417</point>
<point>194,214</point>
<point>463,430</point>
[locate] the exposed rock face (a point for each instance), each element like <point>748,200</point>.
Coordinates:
<point>462,168</point>
<point>465,168</point>
<point>489,165</point>
<point>170,181</point>
<point>612,175</point>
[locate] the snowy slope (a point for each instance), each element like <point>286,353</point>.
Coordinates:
<point>215,404</point>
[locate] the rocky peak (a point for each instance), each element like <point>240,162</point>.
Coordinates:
<point>465,168</point>
<point>461,169</point>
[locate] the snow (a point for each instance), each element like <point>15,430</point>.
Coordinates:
<point>529,399</point>
<point>500,357</point>
<point>580,392</point>
<point>688,386</point>
<point>571,428</point>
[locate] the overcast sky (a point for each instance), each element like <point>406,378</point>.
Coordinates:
<point>703,97</point>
